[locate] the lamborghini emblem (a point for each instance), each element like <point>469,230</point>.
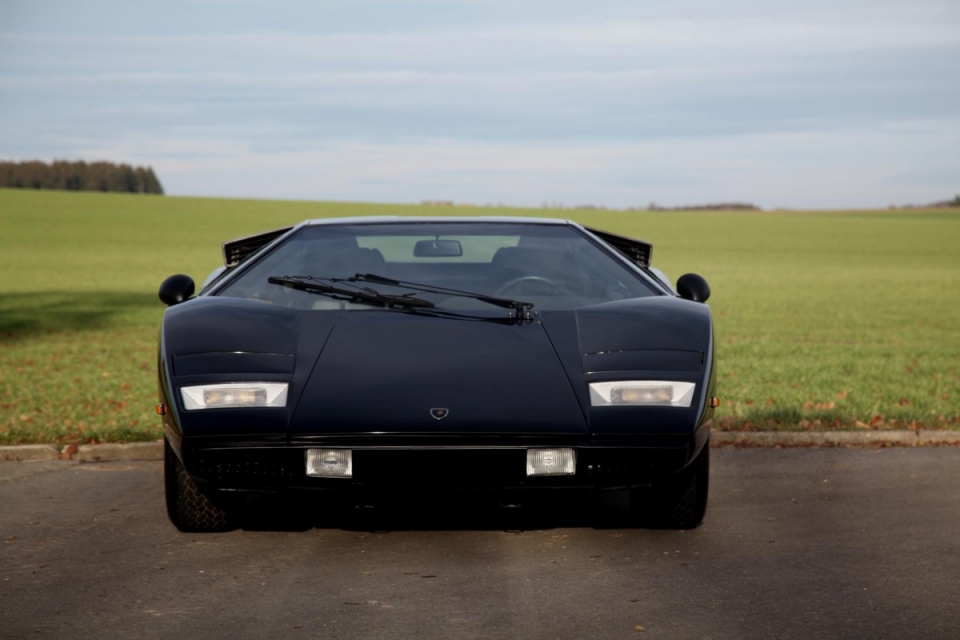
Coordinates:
<point>439,414</point>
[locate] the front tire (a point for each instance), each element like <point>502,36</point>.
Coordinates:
<point>680,502</point>
<point>189,508</point>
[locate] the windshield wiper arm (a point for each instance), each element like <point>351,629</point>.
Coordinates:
<point>365,295</point>
<point>522,309</point>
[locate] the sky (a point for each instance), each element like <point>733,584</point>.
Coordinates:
<point>615,103</point>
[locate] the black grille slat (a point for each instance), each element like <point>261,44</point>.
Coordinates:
<point>243,467</point>
<point>607,463</point>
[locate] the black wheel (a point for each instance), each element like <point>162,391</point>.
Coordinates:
<point>189,508</point>
<point>679,503</point>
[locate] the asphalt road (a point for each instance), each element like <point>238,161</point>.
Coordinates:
<point>801,543</point>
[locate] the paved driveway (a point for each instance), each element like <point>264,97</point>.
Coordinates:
<point>804,543</point>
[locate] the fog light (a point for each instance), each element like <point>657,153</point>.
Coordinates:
<point>551,462</point>
<point>330,463</point>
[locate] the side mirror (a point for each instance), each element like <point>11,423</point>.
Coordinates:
<point>176,289</point>
<point>693,287</point>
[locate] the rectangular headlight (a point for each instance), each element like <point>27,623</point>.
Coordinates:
<point>651,393</point>
<point>551,462</point>
<point>330,463</point>
<point>235,394</point>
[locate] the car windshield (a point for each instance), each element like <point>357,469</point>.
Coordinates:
<point>552,267</point>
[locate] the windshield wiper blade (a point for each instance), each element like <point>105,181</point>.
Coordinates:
<point>522,309</point>
<point>364,295</point>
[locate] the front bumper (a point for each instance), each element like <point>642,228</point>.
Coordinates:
<point>480,464</point>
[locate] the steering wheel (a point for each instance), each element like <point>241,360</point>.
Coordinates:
<point>538,286</point>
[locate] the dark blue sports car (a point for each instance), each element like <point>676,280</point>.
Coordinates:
<point>436,353</point>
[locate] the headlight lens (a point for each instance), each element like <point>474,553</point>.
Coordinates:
<point>653,393</point>
<point>235,394</point>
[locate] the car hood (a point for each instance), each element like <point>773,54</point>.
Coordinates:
<point>407,373</point>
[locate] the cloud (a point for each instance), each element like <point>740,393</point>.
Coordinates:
<point>616,103</point>
<point>797,170</point>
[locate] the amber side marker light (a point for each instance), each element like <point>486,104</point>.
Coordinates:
<point>161,409</point>
<point>714,402</point>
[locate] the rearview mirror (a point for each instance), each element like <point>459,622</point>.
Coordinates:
<point>176,289</point>
<point>438,249</point>
<point>693,287</point>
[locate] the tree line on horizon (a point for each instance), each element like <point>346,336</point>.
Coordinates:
<point>79,176</point>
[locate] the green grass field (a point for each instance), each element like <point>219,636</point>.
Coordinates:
<point>824,320</point>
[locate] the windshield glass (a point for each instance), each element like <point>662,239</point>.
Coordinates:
<point>551,266</point>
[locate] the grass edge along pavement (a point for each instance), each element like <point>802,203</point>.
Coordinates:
<point>825,321</point>
<point>116,452</point>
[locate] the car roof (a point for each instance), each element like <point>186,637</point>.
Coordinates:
<point>439,219</point>
<point>237,250</point>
